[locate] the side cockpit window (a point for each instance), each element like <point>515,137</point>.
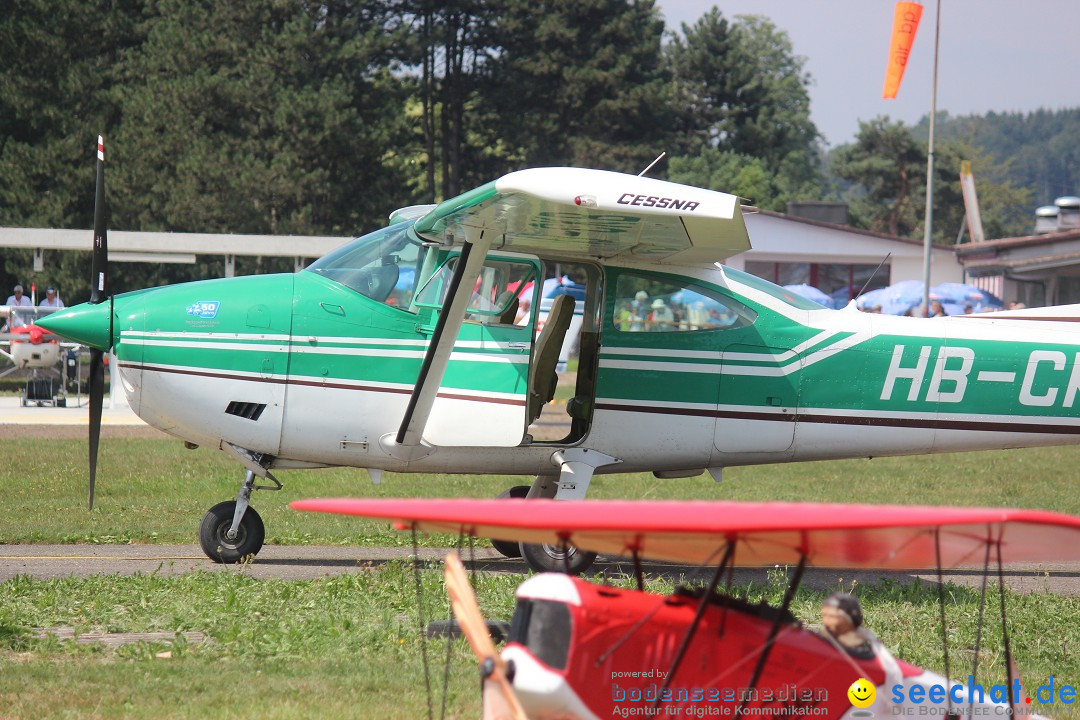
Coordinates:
<point>502,295</point>
<point>646,303</point>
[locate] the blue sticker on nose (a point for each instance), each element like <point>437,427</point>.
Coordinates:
<point>204,309</point>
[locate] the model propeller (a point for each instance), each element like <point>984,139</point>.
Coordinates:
<point>99,293</point>
<point>471,621</point>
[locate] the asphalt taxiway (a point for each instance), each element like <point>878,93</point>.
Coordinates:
<point>306,562</point>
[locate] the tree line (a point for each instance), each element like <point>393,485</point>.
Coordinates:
<point>301,117</point>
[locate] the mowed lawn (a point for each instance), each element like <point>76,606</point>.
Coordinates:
<point>155,491</point>
<point>349,646</point>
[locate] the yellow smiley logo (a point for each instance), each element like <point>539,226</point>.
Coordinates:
<point>861,693</point>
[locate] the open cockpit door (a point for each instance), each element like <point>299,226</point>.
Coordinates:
<point>570,213</point>
<point>484,394</point>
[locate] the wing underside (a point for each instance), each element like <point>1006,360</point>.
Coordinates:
<point>872,536</point>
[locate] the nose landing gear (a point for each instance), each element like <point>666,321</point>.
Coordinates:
<point>232,531</point>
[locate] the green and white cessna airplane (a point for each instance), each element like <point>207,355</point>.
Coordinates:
<point>410,350</point>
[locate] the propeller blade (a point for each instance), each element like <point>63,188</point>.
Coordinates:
<point>97,394</point>
<point>99,292</point>
<point>473,627</point>
<point>99,286</point>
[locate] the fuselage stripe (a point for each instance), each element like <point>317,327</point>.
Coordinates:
<point>921,423</point>
<point>404,390</point>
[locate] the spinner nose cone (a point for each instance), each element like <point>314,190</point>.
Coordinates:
<point>87,324</point>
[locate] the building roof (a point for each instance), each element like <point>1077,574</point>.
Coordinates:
<point>847,228</point>
<point>1026,254</point>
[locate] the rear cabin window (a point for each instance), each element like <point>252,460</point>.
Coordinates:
<point>649,304</point>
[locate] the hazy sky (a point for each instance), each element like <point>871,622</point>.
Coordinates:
<point>1002,55</point>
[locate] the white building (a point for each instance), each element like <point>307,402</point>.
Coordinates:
<point>837,259</point>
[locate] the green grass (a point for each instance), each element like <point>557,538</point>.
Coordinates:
<point>154,491</point>
<point>345,647</point>
<point>348,646</point>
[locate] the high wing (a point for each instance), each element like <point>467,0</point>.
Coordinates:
<point>831,535</point>
<point>576,212</point>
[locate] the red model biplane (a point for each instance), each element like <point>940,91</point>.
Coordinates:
<point>583,650</point>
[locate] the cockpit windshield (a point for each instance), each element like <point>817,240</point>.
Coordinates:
<point>383,265</point>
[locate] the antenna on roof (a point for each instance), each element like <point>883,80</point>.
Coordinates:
<point>658,159</point>
<point>872,275</point>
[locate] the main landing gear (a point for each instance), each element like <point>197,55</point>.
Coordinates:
<point>576,470</point>
<point>232,531</point>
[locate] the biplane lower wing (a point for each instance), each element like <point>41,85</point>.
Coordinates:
<point>829,535</point>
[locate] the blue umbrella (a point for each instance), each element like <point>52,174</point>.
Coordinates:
<point>959,295</point>
<point>811,293</point>
<point>895,299</point>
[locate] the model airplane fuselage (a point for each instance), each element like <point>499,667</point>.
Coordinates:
<point>408,350</point>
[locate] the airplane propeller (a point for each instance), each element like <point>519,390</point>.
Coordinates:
<point>99,293</point>
<point>471,622</point>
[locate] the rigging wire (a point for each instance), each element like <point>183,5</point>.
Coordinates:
<point>727,591</point>
<point>423,625</point>
<point>449,639</point>
<point>692,629</point>
<point>941,606</point>
<point>789,595</point>
<point>979,627</point>
<point>639,574</point>
<point>1012,698</point>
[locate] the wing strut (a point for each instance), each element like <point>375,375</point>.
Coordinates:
<point>473,252</point>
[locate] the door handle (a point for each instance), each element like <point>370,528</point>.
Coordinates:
<point>522,346</point>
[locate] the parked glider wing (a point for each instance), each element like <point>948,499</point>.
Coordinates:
<point>831,535</point>
<point>583,213</point>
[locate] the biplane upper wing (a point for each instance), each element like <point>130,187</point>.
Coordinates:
<point>577,212</point>
<point>831,535</point>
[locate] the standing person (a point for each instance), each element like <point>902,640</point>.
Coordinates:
<point>52,301</point>
<point>661,318</point>
<point>639,309</point>
<point>17,300</point>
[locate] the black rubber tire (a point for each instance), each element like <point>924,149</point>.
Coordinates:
<point>216,522</point>
<point>550,558</point>
<point>510,548</point>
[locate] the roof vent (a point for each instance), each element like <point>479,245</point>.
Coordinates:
<point>1046,219</point>
<point>1068,212</point>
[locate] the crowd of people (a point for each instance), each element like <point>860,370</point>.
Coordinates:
<point>937,309</point>
<point>691,311</point>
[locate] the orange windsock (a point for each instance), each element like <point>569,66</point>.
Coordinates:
<point>905,24</point>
